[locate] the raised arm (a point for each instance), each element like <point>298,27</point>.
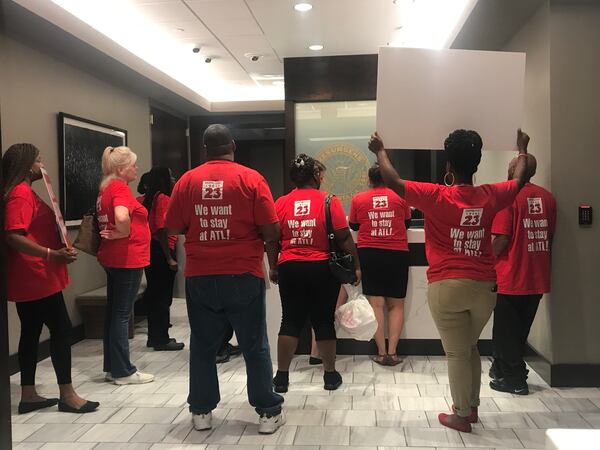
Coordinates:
<point>388,173</point>
<point>520,175</point>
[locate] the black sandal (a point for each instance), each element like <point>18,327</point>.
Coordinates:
<point>393,360</point>
<point>87,407</point>
<point>380,359</point>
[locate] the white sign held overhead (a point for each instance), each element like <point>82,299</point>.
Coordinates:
<point>423,95</point>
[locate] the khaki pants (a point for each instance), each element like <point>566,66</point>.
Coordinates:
<point>460,309</point>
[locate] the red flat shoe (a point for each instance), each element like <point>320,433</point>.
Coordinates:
<point>473,417</point>
<point>464,427</point>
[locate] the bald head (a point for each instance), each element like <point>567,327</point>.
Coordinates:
<point>531,167</point>
<point>218,141</point>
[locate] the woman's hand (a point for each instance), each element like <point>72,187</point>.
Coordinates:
<point>358,273</point>
<point>274,275</point>
<point>375,143</point>
<point>172,264</point>
<point>64,255</point>
<point>522,141</point>
<point>112,234</point>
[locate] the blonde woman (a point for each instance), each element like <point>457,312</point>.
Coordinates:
<point>124,252</point>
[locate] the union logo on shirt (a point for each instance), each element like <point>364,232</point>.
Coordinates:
<point>471,217</point>
<point>380,202</point>
<point>212,190</point>
<point>535,205</point>
<point>301,207</point>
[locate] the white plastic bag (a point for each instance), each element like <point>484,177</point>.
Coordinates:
<point>355,319</point>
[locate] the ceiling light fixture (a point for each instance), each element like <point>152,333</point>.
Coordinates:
<point>302,7</point>
<point>315,47</point>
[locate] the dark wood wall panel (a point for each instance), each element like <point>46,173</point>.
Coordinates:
<point>5,426</point>
<point>169,141</point>
<point>330,78</point>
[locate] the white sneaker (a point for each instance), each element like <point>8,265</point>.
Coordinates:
<point>108,377</point>
<point>269,425</point>
<point>202,421</point>
<point>135,378</point>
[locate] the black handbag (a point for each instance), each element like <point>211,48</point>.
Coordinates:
<point>341,264</point>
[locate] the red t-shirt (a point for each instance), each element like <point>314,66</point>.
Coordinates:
<point>381,213</point>
<point>458,223</point>
<point>524,267</point>
<point>130,252</point>
<point>158,213</point>
<point>303,227</point>
<point>31,277</point>
<point>220,205</point>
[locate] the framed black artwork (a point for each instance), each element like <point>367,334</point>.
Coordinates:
<point>81,143</point>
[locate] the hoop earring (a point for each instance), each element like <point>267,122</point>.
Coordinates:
<point>446,180</point>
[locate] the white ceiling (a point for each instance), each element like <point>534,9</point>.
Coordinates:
<point>156,37</point>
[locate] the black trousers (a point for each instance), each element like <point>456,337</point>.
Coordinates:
<point>159,294</point>
<point>513,317</point>
<point>226,338</point>
<point>49,311</point>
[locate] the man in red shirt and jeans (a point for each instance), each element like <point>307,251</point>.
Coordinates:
<point>227,214</point>
<point>522,243</point>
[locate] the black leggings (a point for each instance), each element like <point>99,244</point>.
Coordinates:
<point>49,311</point>
<point>159,294</point>
<point>308,290</point>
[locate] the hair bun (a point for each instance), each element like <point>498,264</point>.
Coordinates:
<point>299,162</point>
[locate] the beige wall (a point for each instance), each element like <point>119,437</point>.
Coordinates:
<point>34,87</point>
<point>534,39</point>
<point>575,99</point>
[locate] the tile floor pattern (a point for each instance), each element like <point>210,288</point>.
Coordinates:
<point>377,408</point>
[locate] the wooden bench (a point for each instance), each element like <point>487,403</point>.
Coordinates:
<point>92,306</point>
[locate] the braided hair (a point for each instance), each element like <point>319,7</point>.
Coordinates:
<point>463,151</point>
<point>303,170</point>
<point>16,165</point>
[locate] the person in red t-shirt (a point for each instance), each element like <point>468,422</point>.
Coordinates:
<point>380,215</point>
<point>160,274</point>
<point>37,274</point>
<point>522,242</point>
<point>124,252</point>
<point>306,285</point>
<point>458,245</point>
<point>227,214</point>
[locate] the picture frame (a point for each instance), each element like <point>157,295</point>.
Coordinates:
<point>81,143</point>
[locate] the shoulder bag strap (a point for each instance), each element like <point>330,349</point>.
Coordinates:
<point>330,234</point>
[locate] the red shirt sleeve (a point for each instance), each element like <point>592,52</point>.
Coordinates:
<point>421,195</point>
<point>338,216</point>
<point>407,212</point>
<point>264,207</point>
<point>160,206</point>
<point>352,216</point>
<point>122,196</point>
<point>503,222</point>
<point>505,193</point>
<point>176,217</point>
<point>18,213</point>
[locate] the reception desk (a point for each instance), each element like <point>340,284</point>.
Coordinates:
<point>419,336</point>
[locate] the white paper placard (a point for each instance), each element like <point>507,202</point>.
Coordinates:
<point>423,95</point>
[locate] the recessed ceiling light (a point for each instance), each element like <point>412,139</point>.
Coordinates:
<point>303,7</point>
<point>181,30</point>
<point>315,47</point>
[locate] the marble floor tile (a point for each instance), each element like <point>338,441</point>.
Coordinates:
<point>491,438</point>
<point>322,436</point>
<point>377,436</point>
<point>354,418</point>
<point>433,437</point>
<point>110,432</point>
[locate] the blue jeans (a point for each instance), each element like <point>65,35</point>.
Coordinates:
<point>214,302</point>
<point>121,290</point>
